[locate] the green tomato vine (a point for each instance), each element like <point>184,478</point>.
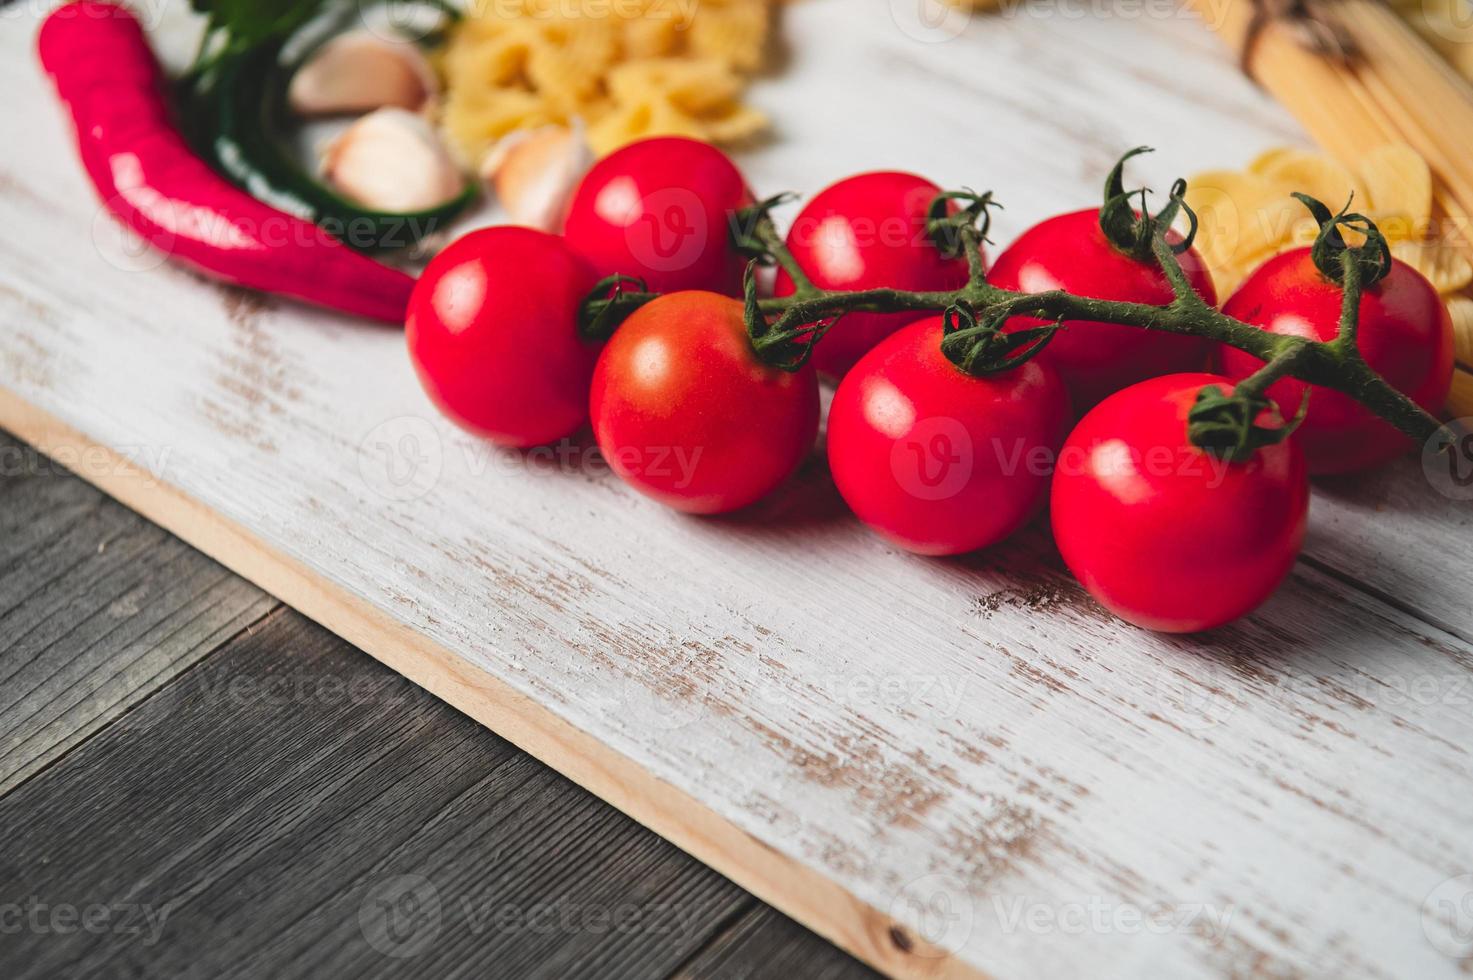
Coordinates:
<point>785,330</point>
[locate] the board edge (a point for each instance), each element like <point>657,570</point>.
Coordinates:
<point>801,892</point>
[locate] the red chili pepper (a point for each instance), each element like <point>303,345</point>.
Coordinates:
<point>151,181</point>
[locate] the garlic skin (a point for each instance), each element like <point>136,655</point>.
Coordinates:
<point>534,173</point>
<point>361,71</point>
<point>392,160</point>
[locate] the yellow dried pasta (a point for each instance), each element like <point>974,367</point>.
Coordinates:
<point>1461,310</point>
<point>673,97</point>
<point>1445,266</point>
<point>627,68</point>
<point>1249,216</point>
<point>1445,25</point>
<point>734,35</point>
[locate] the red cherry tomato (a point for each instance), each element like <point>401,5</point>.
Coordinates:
<point>1070,252</point>
<point>492,331</point>
<point>685,412</point>
<point>936,460</point>
<point>1404,333</point>
<point>1165,535</point>
<point>659,210</point>
<point>868,232</point>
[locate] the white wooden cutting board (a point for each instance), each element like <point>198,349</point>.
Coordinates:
<point>947,767</point>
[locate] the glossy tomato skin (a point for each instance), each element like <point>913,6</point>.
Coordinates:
<point>685,412</point>
<point>492,331</point>
<point>937,461</point>
<point>868,232</point>
<point>1164,535</point>
<point>1070,252</point>
<point>659,210</point>
<point>1404,334</point>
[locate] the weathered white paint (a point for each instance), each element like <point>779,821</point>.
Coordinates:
<point>969,746</point>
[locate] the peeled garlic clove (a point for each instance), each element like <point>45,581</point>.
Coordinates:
<point>360,71</point>
<point>534,173</point>
<point>392,160</point>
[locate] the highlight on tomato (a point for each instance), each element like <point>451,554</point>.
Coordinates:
<point>659,210</point>
<point>868,232</point>
<point>1165,534</point>
<point>1105,253</point>
<point>1403,332</point>
<point>493,333</point>
<point>938,460</point>
<point>686,412</point>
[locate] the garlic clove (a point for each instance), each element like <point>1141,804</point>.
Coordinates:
<point>392,160</point>
<point>360,71</point>
<point>534,173</point>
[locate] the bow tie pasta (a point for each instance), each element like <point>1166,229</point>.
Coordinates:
<point>628,68</point>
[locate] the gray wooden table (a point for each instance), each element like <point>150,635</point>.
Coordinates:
<point>197,781</point>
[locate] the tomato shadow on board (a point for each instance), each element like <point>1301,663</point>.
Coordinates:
<point>1400,489</point>
<point>808,499</point>
<point>1026,574</point>
<point>1023,572</point>
<point>1308,636</point>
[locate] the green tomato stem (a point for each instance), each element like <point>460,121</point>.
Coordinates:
<point>1336,365</point>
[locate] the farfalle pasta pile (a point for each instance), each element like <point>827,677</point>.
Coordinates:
<point>1248,216</point>
<point>628,69</point>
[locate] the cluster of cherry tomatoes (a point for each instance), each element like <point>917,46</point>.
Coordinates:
<point>938,461</point>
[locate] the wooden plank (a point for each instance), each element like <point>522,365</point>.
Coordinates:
<point>1393,533</point>
<point>763,945</point>
<point>277,812</point>
<point>1369,688</point>
<point>98,609</point>
<point>857,736</point>
<point>743,857</point>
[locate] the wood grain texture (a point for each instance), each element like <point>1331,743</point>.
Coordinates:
<point>763,945</point>
<point>98,609</point>
<point>911,757</point>
<point>279,810</point>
